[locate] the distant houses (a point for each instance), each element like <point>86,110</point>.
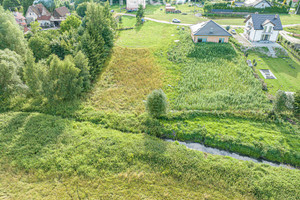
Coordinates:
<point>209,31</point>
<point>262,27</point>
<point>21,20</point>
<point>134,4</point>
<point>254,3</point>
<point>40,13</point>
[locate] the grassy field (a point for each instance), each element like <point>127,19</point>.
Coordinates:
<point>213,76</point>
<point>286,70</point>
<point>77,160</point>
<point>294,29</point>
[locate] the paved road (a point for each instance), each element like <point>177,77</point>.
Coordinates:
<point>166,22</point>
<point>286,35</point>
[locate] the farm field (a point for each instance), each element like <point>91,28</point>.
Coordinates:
<point>82,160</point>
<point>285,69</point>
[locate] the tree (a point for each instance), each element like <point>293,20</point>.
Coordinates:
<point>98,37</point>
<point>61,80</point>
<point>35,27</point>
<point>227,28</point>
<point>157,104</point>
<point>297,103</point>
<point>81,9</point>
<point>26,4</point>
<point>11,4</point>
<point>49,4</point>
<point>72,22</point>
<point>10,66</point>
<point>39,46</point>
<point>82,63</point>
<point>282,102</point>
<point>139,14</point>
<point>11,36</point>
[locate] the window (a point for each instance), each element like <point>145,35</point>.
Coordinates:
<point>270,28</point>
<point>201,39</point>
<point>265,29</point>
<point>221,40</point>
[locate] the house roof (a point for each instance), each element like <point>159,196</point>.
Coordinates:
<point>209,28</point>
<point>39,10</point>
<point>61,12</point>
<point>19,16</point>
<point>259,20</point>
<point>255,2</point>
<point>44,17</point>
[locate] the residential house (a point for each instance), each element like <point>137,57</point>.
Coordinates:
<point>262,27</point>
<point>253,3</point>
<point>209,31</point>
<point>40,13</point>
<point>21,20</point>
<point>169,8</point>
<point>134,4</point>
<point>257,3</point>
<point>60,14</point>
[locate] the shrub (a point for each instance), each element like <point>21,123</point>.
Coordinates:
<point>157,104</point>
<point>297,103</point>
<point>282,102</point>
<point>227,28</point>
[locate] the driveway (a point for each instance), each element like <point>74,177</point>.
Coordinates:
<point>286,35</point>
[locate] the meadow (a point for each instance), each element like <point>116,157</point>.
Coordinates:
<point>213,77</point>
<point>76,160</point>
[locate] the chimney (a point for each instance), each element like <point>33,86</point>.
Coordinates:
<point>211,30</point>
<point>276,16</point>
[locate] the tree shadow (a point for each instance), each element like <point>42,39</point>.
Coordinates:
<point>26,138</point>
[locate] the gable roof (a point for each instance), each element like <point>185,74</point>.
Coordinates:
<point>259,20</point>
<point>61,12</point>
<point>39,10</point>
<point>255,2</point>
<point>209,28</point>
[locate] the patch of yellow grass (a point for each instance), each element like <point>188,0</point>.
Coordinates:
<point>130,76</point>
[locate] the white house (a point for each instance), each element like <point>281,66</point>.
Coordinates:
<point>134,4</point>
<point>40,13</point>
<point>257,3</point>
<point>262,27</point>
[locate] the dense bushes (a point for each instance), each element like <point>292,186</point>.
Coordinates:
<point>157,104</point>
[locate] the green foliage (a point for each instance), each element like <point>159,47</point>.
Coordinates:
<point>25,4</point>
<point>11,36</point>
<point>140,14</point>
<point>227,28</point>
<point>35,27</point>
<point>297,103</point>
<point>11,4</point>
<point>61,80</point>
<point>39,44</point>
<point>157,104</point>
<point>10,82</point>
<point>97,39</point>
<point>72,22</point>
<point>81,9</point>
<point>47,146</point>
<point>280,102</point>
<point>82,63</point>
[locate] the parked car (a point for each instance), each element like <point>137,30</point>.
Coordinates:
<point>177,11</point>
<point>233,31</point>
<point>176,21</point>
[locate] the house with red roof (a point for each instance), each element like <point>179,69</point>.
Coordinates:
<point>21,20</point>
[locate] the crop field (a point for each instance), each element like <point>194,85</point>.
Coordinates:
<point>285,69</point>
<point>78,160</point>
<point>213,77</point>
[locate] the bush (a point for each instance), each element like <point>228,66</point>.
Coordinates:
<point>283,102</point>
<point>157,104</point>
<point>296,106</point>
<point>227,28</point>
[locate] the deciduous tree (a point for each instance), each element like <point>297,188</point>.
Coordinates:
<point>157,104</point>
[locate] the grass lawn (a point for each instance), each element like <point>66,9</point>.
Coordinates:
<point>78,160</point>
<point>294,29</point>
<point>151,34</point>
<point>285,69</point>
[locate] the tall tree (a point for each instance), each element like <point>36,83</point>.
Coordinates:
<point>72,22</point>
<point>10,66</point>
<point>11,36</point>
<point>97,40</point>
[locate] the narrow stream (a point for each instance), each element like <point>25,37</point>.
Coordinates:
<point>215,151</point>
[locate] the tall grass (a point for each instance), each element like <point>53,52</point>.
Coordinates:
<point>52,152</point>
<point>213,77</point>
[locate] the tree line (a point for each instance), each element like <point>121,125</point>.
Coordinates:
<point>56,64</point>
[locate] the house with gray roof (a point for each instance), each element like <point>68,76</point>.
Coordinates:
<point>262,27</point>
<point>209,31</point>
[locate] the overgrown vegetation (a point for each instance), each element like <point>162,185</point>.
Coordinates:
<point>62,151</point>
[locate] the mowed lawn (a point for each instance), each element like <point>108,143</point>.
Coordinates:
<point>286,70</point>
